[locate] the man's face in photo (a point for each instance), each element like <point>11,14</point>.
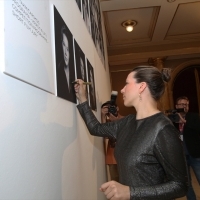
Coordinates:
<point>65,46</point>
<point>82,68</point>
<point>92,80</point>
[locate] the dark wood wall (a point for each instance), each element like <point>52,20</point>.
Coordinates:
<point>186,84</point>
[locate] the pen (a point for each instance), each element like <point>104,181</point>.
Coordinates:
<point>85,83</point>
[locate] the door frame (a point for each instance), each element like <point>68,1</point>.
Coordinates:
<point>174,74</point>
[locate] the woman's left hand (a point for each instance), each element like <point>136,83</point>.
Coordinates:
<point>115,191</point>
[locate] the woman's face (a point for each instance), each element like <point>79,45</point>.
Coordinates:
<point>130,91</point>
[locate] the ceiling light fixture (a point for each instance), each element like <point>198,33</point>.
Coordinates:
<point>129,25</point>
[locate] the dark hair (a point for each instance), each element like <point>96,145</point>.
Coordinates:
<point>182,97</point>
<point>63,31</point>
<point>108,103</point>
<point>154,79</point>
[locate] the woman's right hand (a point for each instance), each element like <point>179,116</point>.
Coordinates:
<point>80,90</point>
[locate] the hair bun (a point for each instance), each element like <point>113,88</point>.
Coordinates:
<point>166,74</point>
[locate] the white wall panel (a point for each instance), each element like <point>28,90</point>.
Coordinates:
<point>28,54</point>
<point>46,151</point>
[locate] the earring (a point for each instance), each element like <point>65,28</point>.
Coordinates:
<point>140,98</point>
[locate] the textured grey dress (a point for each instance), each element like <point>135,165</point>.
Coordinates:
<point>149,154</point>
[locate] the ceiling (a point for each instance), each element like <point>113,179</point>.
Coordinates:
<point>167,29</point>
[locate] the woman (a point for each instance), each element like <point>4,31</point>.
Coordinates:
<point>148,150</point>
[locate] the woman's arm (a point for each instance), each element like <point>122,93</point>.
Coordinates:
<point>94,126</point>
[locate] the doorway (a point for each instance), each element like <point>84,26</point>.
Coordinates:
<point>187,83</point>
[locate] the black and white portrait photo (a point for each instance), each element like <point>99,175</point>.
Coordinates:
<point>96,27</point>
<point>65,69</point>
<point>79,4</point>
<point>91,13</point>
<point>92,93</point>
<point>80,62</point>
<point>85,9</point>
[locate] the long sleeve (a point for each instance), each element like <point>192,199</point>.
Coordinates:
<point>193,121</point>
<point>191,134</point>
<point>169,154</point>
<point>94,126</point>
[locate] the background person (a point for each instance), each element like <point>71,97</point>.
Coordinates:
<point>148,151</point>
<point>189,127</point>
<point>106,116</point>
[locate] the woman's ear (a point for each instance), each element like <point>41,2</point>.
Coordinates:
<point>142,87</point>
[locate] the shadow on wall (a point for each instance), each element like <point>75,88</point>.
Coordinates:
<point>33,140</point>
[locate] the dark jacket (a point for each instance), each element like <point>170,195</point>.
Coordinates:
<point>191,134</point>
<point>148,152</point>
